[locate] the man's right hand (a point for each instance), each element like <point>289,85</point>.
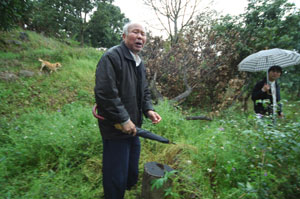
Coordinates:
<point>129,128</point>
<point>265,88</point>
<point>281,115</point>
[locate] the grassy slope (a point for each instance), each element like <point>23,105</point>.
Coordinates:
<point>44,117</point>
<point>74,81</point>
<point>50,143</point>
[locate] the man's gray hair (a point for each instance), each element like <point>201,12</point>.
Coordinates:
<point>126,27</point>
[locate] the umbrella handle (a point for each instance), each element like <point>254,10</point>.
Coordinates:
<point>94,111</point>
<point>118,126</point>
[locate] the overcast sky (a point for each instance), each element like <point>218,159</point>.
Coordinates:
<point>135,10</point>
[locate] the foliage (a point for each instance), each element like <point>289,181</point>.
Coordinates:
<point>47,17</point>
<point>108,32</point>
<point>202,59</point>
<point>66,19</point>
<point>57,154</point>
<point>80,12</point>
<point>270,24</point>
<point>40,149</point>
<point>62,19</point>
<point>14,13</point>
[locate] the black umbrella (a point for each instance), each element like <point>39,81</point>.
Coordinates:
<point>139,131</point>
<point>148,134</point>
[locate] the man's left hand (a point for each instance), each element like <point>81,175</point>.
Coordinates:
<point>153,116</point>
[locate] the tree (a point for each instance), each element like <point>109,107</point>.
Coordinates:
<point>62,18</point>
<point>197,68</point>
<point>80,12</point>
<point>177,13</point>
<point>14,13</point>
<point>267,24</point>
<point>47,17</point>
<point>273,24</point>
<point>105,26</point>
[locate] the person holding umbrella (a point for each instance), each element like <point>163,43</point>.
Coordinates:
<point>266,93</point>
<point>122,97</point>
<point>271,61</point>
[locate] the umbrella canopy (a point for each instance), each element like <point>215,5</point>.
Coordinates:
<point>140,132</point>
<point>264,59</point>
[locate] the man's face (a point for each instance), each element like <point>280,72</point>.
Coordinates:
<point>136,38</point>
<point>274,75</point>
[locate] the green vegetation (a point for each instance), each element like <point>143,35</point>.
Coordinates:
<point>96,23</point>
<point>50,145</point>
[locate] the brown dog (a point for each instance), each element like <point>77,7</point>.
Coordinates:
<point>52,67</point>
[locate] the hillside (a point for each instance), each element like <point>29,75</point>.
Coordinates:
<point>50,146</point>
<point>24,86</point>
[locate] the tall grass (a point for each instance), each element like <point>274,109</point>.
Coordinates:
<point>56,146</point>
<point>58,154</point>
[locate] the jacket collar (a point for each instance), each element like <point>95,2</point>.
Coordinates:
<point>125,49</point>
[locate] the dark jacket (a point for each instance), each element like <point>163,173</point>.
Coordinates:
<point>258,95</point>
<point>121,91</point>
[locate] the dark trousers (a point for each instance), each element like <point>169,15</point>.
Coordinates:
<point>120,166</point>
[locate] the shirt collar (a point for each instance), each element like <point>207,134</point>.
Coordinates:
<point>136,58</point>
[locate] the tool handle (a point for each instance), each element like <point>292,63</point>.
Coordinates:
<point>118,126</point>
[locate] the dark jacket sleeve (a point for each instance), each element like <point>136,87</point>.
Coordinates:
<point>106,91</point>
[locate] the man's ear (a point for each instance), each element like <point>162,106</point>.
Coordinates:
<point>123,36</point>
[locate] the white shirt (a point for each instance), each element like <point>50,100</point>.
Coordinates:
<point>273,91</point>
<point>136,58</point>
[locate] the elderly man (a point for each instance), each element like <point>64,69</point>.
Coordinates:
<point>264,94</point>
<point>122,97</point>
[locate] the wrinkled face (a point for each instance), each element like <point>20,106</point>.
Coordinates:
<point>136,38</point>
<point>274,75</point>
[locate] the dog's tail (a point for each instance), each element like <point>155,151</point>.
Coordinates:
<point>40,60</point>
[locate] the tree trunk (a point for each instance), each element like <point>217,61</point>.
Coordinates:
<point>156,95</point>
<point>188,90</point>
<point>245,103</point>
<point>183,95</point>
<point>153,171</point>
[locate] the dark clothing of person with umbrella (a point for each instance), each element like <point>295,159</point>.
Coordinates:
<point>266,94</point>
<point>122,97</point>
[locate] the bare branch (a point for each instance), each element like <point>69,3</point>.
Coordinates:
<point>178,14</point>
